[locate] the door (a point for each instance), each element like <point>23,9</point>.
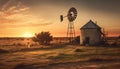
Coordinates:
<point>87,40</point>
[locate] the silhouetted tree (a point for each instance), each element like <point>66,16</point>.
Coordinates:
<point>43,38</point>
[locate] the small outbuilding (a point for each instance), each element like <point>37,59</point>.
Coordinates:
<point>90,34</point>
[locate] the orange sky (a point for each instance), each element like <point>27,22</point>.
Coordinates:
<point>19,18</point>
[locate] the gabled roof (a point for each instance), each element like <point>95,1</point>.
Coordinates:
<point>90,25</point>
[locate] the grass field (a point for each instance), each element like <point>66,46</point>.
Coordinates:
<point>59,57</point>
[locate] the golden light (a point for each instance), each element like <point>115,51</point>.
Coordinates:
<point>28,34</point>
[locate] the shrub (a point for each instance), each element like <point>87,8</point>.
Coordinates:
<point>77,39</point>
<point>43,38</point>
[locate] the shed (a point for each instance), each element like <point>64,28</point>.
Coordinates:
<point>90,34</point>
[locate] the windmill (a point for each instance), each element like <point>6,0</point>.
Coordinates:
<point>71,15</point>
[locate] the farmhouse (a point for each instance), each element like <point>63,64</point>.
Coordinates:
<point>90,34</point>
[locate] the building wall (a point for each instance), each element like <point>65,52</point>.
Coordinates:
<point>93,34</point>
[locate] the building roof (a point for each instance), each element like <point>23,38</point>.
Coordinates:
<point>90,25</point>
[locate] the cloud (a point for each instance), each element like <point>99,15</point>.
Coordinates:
<point>16,14</point>
<point>2,2</point>
<point>7,14</point>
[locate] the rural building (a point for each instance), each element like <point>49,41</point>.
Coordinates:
<point>90,34</point>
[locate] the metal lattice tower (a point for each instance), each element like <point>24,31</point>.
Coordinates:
<point>71,31</point>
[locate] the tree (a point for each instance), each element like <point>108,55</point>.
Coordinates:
<point>43,38</point>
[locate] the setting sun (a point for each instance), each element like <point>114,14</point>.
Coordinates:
<point>28,35</point>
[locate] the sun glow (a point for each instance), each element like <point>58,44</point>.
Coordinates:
<point>28,34</point>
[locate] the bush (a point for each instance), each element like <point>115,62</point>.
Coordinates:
<point>43,38</point>
<point>77,39</point>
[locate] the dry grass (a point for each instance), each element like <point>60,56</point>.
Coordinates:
<point>38,56</point>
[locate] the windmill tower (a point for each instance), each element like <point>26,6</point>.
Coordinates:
<point>72,14</point>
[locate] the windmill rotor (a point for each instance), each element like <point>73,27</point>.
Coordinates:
<point>72,14</point>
